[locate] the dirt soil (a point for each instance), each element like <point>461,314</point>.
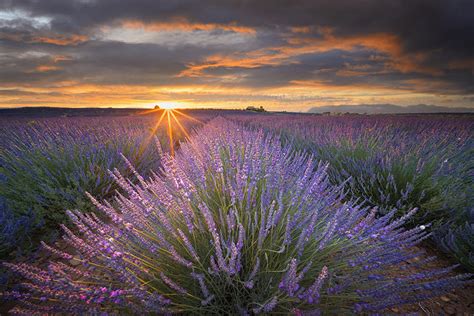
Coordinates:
<point>458,302</point>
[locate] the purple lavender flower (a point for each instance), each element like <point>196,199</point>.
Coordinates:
<point>172,284</point>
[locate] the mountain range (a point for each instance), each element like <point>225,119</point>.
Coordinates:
<point>390,109</point>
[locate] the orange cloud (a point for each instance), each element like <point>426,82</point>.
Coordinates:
<point>46,68</point>
<point>249,60</point>
<point>56,39</point>
<point>385,43</point>
<point>182,24</point>
<point>61,40</point>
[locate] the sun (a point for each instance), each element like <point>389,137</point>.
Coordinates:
<point>168,105</point>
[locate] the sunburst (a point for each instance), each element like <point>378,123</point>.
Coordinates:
<point>172,121</point>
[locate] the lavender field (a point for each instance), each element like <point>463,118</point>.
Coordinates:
<point>214,212</point>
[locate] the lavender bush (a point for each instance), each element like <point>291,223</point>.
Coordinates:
<point>234,223</point>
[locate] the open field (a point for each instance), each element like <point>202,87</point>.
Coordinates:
<point>214,212</point>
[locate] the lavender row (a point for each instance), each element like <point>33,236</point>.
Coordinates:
<point>46,165</point>
<point>395,162</point>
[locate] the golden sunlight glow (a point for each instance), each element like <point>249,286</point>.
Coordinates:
<point>297,95</point>
<point>168,105</point>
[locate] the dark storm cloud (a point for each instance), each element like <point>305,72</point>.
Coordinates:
<point>421,24</point>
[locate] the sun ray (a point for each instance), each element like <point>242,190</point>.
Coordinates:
<point>159,121</point>
<point>149,111</point>
<point>188,116</point>
<point>155,128</point>
<point>170,132</point>
<point>181,127</point>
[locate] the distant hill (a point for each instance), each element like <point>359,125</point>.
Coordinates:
<point>389,109</point>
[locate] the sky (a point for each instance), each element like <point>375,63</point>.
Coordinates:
<point>283,55</point>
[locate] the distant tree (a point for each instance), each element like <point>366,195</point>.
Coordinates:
<point>255,109</point>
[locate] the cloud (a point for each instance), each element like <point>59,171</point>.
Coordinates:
<point>342,51</point>
<point>24,29</point>
<point>46,68</point>
<point>61,40</point>
<point>182,24</point>
<point>215,38</point>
